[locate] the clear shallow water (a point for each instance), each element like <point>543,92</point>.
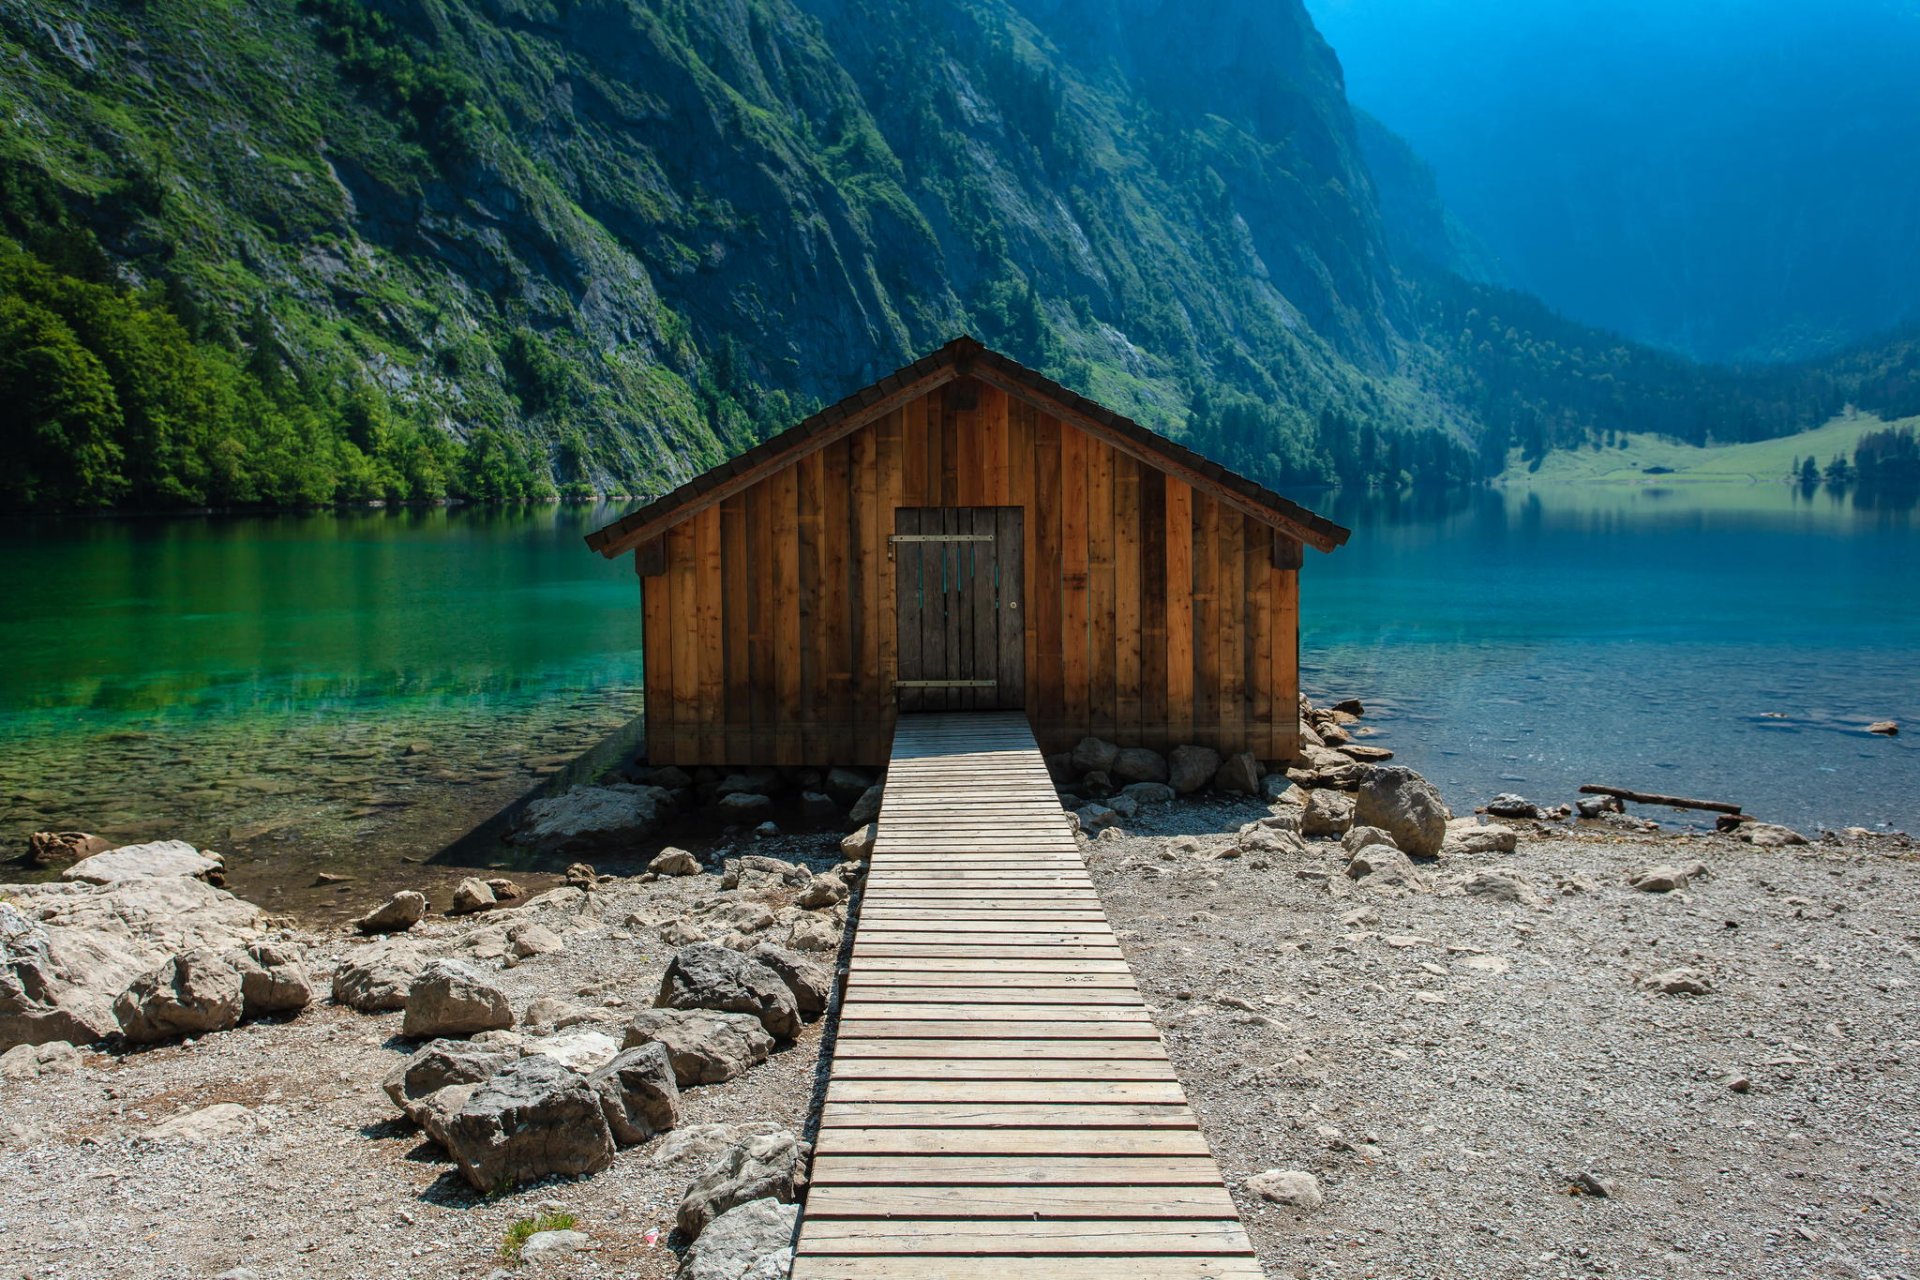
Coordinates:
<point>1723,643</point>
<point>350,691</point>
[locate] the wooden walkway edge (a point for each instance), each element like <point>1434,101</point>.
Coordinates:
<point>1000,1104</point>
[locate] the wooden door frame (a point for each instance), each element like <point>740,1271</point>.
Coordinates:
<point>987,635</point>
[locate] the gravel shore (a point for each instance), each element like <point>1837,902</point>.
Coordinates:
<point>1462,1073</point>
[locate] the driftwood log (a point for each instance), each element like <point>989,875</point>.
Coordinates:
<point>1671,802</point>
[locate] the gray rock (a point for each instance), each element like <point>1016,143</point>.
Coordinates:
<point>440,1063</point>
<point>811,984</point>
<point>207,1124</point>
<point>1092,755</point>
<point>471,896</point>
<point>1096,782</point>
<point>1768,835</point>
<point>759,782</point>
<point>377,978</point>
<point>189,995</point>
<point>532,1119</point>
<point>146,862</point>
<point>744,804</point>
<point>1258,837</point>
<point>545,1247</point>
<point>1467,835</point>
<point>1276,787</point>
<point>705,1046</point>
<point>1295,1188</point>
<point>1238,774</point>
<point>450,998</point>
<point>68,949</point>
<point>1139,764</point>
<point>552,1014</point>
<point>639,1093</point>
<point>586,816</point>
<point>1509,805</point>
<point>1123,804</point>
<point>504,890</point>
<point>1502,886</point>
<point>1327,813</point>
<point>753,1241</point>
<point>1190,768</point>
<point>30,1061</point>
<point>766,830</point>
<point>867,808</point>
<point>859,844</point>
<point>1664,878</point>
<point>396,915</point>
<point>823,890</point>
<point>1383,866</point>
<point>1683,981</point>
<point>674,862</point>
<point>527,939</point>
<point>272,979</point>
<point>754,871</point>
<point>1358,838</point>
<point>1095,816</point>
<point>1599,806</point>
<point>1148,793</point>
<point>1405,805</point>
<point>581,1049</point>
<point>763,1165</point>
<point>847,785</point>
<point>704,976</point>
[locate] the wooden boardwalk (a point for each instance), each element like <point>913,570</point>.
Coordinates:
<point>1000,1105</point>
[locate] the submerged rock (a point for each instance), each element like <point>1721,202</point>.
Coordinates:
<point>146,862</point>
<point>591,815</point>
<point>49,848</point>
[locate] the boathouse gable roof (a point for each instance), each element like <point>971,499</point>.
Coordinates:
<point>964,357</point>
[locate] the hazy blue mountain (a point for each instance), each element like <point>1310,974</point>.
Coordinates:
<point>1733,179</point>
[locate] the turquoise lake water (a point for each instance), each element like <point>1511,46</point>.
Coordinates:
<point>306,689</point>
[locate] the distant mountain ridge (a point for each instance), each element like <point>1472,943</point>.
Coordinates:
<point>302,251</point>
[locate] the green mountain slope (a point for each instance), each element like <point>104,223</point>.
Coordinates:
<point>314,250</point>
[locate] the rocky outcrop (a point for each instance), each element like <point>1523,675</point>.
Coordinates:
<point>753,1241</point>
<point>449,998</point>
<point>378,977</point>
<point>704,976</point>
<point>68,950</point>
<point>532,1119</point>
<point>705,1047</point>
<point>639,1093</point>
<point>1405,806</point>
<point>188,995</point>
<point>763,1165</point>
<point>158,860</point>
<point>587,816</point>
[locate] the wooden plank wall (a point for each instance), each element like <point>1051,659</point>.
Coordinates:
<point>1155,614</point>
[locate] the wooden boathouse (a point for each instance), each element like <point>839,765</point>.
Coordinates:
<point>966,535</point>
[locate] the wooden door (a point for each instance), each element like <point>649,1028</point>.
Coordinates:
<point>958,576</point>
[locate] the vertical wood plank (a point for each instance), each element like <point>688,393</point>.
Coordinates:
<point>1010,539</point>
<point>983,606</point>
<point>1258,563</point>
<point>909,606</point>
<point>1286,659</point>
<point>913,453</point>
<point>889,499</point>
<point>933,591</point>
<point>1232,547</point>
<point>1153,609</point>
<point>764,695</point>
<point>950,445</point>
<point>810,472</point>
<point>1179,524</point>
<point>1073,585</point>
<point>784,510</point>
<point>1046,590</point>
<point>683,568</point>
<point>991,423</point>
<point>656,665</point>
<point>713,690</point>
<point>1101,643</point>
<point>1206,621</point>
<point>868,553</point>
<point>836,625</point>
<point>735,664</point>
<point>1127,693</point>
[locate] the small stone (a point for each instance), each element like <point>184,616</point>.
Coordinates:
<point>1328,813</point>
<point>1406,806</point>
<point>377,978</point>
<point>766,830</point>
<point>543,1247</point>
<point>1358,838</point>
<point>767,1164</point>
<point>1502,886</point>
<point>1294,1188</point>
<point>753,1241</point>
<point>1147,793</point>
<point>146,862</point>
<point>471,896</point>
<point>1739,1084</point>
<point>1588,1183</point>
<point>527,939</point>
<point>811,984</point>
<point>581,875</point>
<point>1092,755</point>
<point>742,804</point>
<point>1663,878</point>
<point>817,806</point>
<point>859,844</point>
<point>49,848</point>
<point>1509,805</point>
<point>1682,981</point>
<point>505,890</point>
<point>1139,765</point>
<point>1768,835</point>
<point>1886,728</point>
<point>396,915</point>
<point>867,807</point>
<point>1238,774</point>
<point>847,785</point>
<point>208,1124</point>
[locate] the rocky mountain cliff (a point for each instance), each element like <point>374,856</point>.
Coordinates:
<point>405,248</point>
